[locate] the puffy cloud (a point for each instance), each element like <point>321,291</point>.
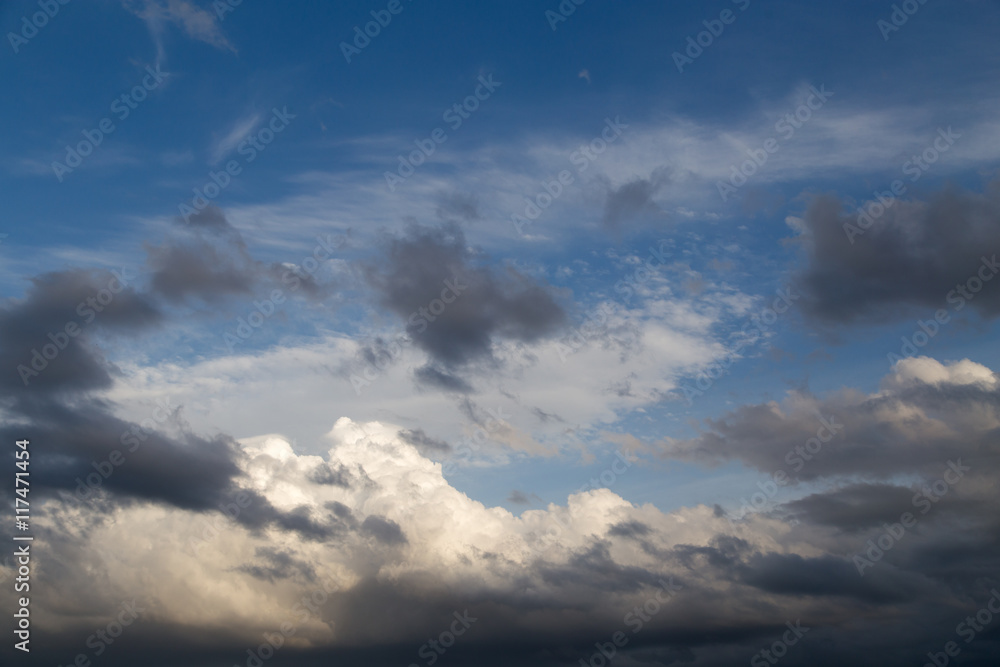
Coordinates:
<point>397,543</point>
<point>915,254</point>
<point>925,414</point>
<point>453,308</point>
<point>633,198</point>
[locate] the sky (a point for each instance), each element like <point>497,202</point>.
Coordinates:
<point>412,332</point>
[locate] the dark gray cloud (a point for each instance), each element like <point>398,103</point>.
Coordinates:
<point>384,530</point>
<point>78,435</point>
<point>634,199</point>
<point>634,529</point>
<point>201,270</point>
<point>453,307</point>
<point>518,498</point>
<point>913,426</point>
<point>207,259</point>
<point>425,443</point>
<point>790,574</point>
<point>438,379</point>
<point>853,508</point>
<point>45,338</point>
<point>210,218</point>
<point>273,564</point>
<point>324,473</point>
<point>916,255</point>
<point>460,205</point>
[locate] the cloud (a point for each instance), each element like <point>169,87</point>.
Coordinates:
<point>443,381</point>
<point>541,586</point>
<point>198,24</point>
<point>223,145</point>
<point>430,265</point>
<point>424,442</point>
<point>917,254</point>
<point>461,205</point>
<point>82,300</point>
<point>925,414</point>
<point>633,198</point>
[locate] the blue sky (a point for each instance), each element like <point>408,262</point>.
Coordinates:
<point>307,145</point>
